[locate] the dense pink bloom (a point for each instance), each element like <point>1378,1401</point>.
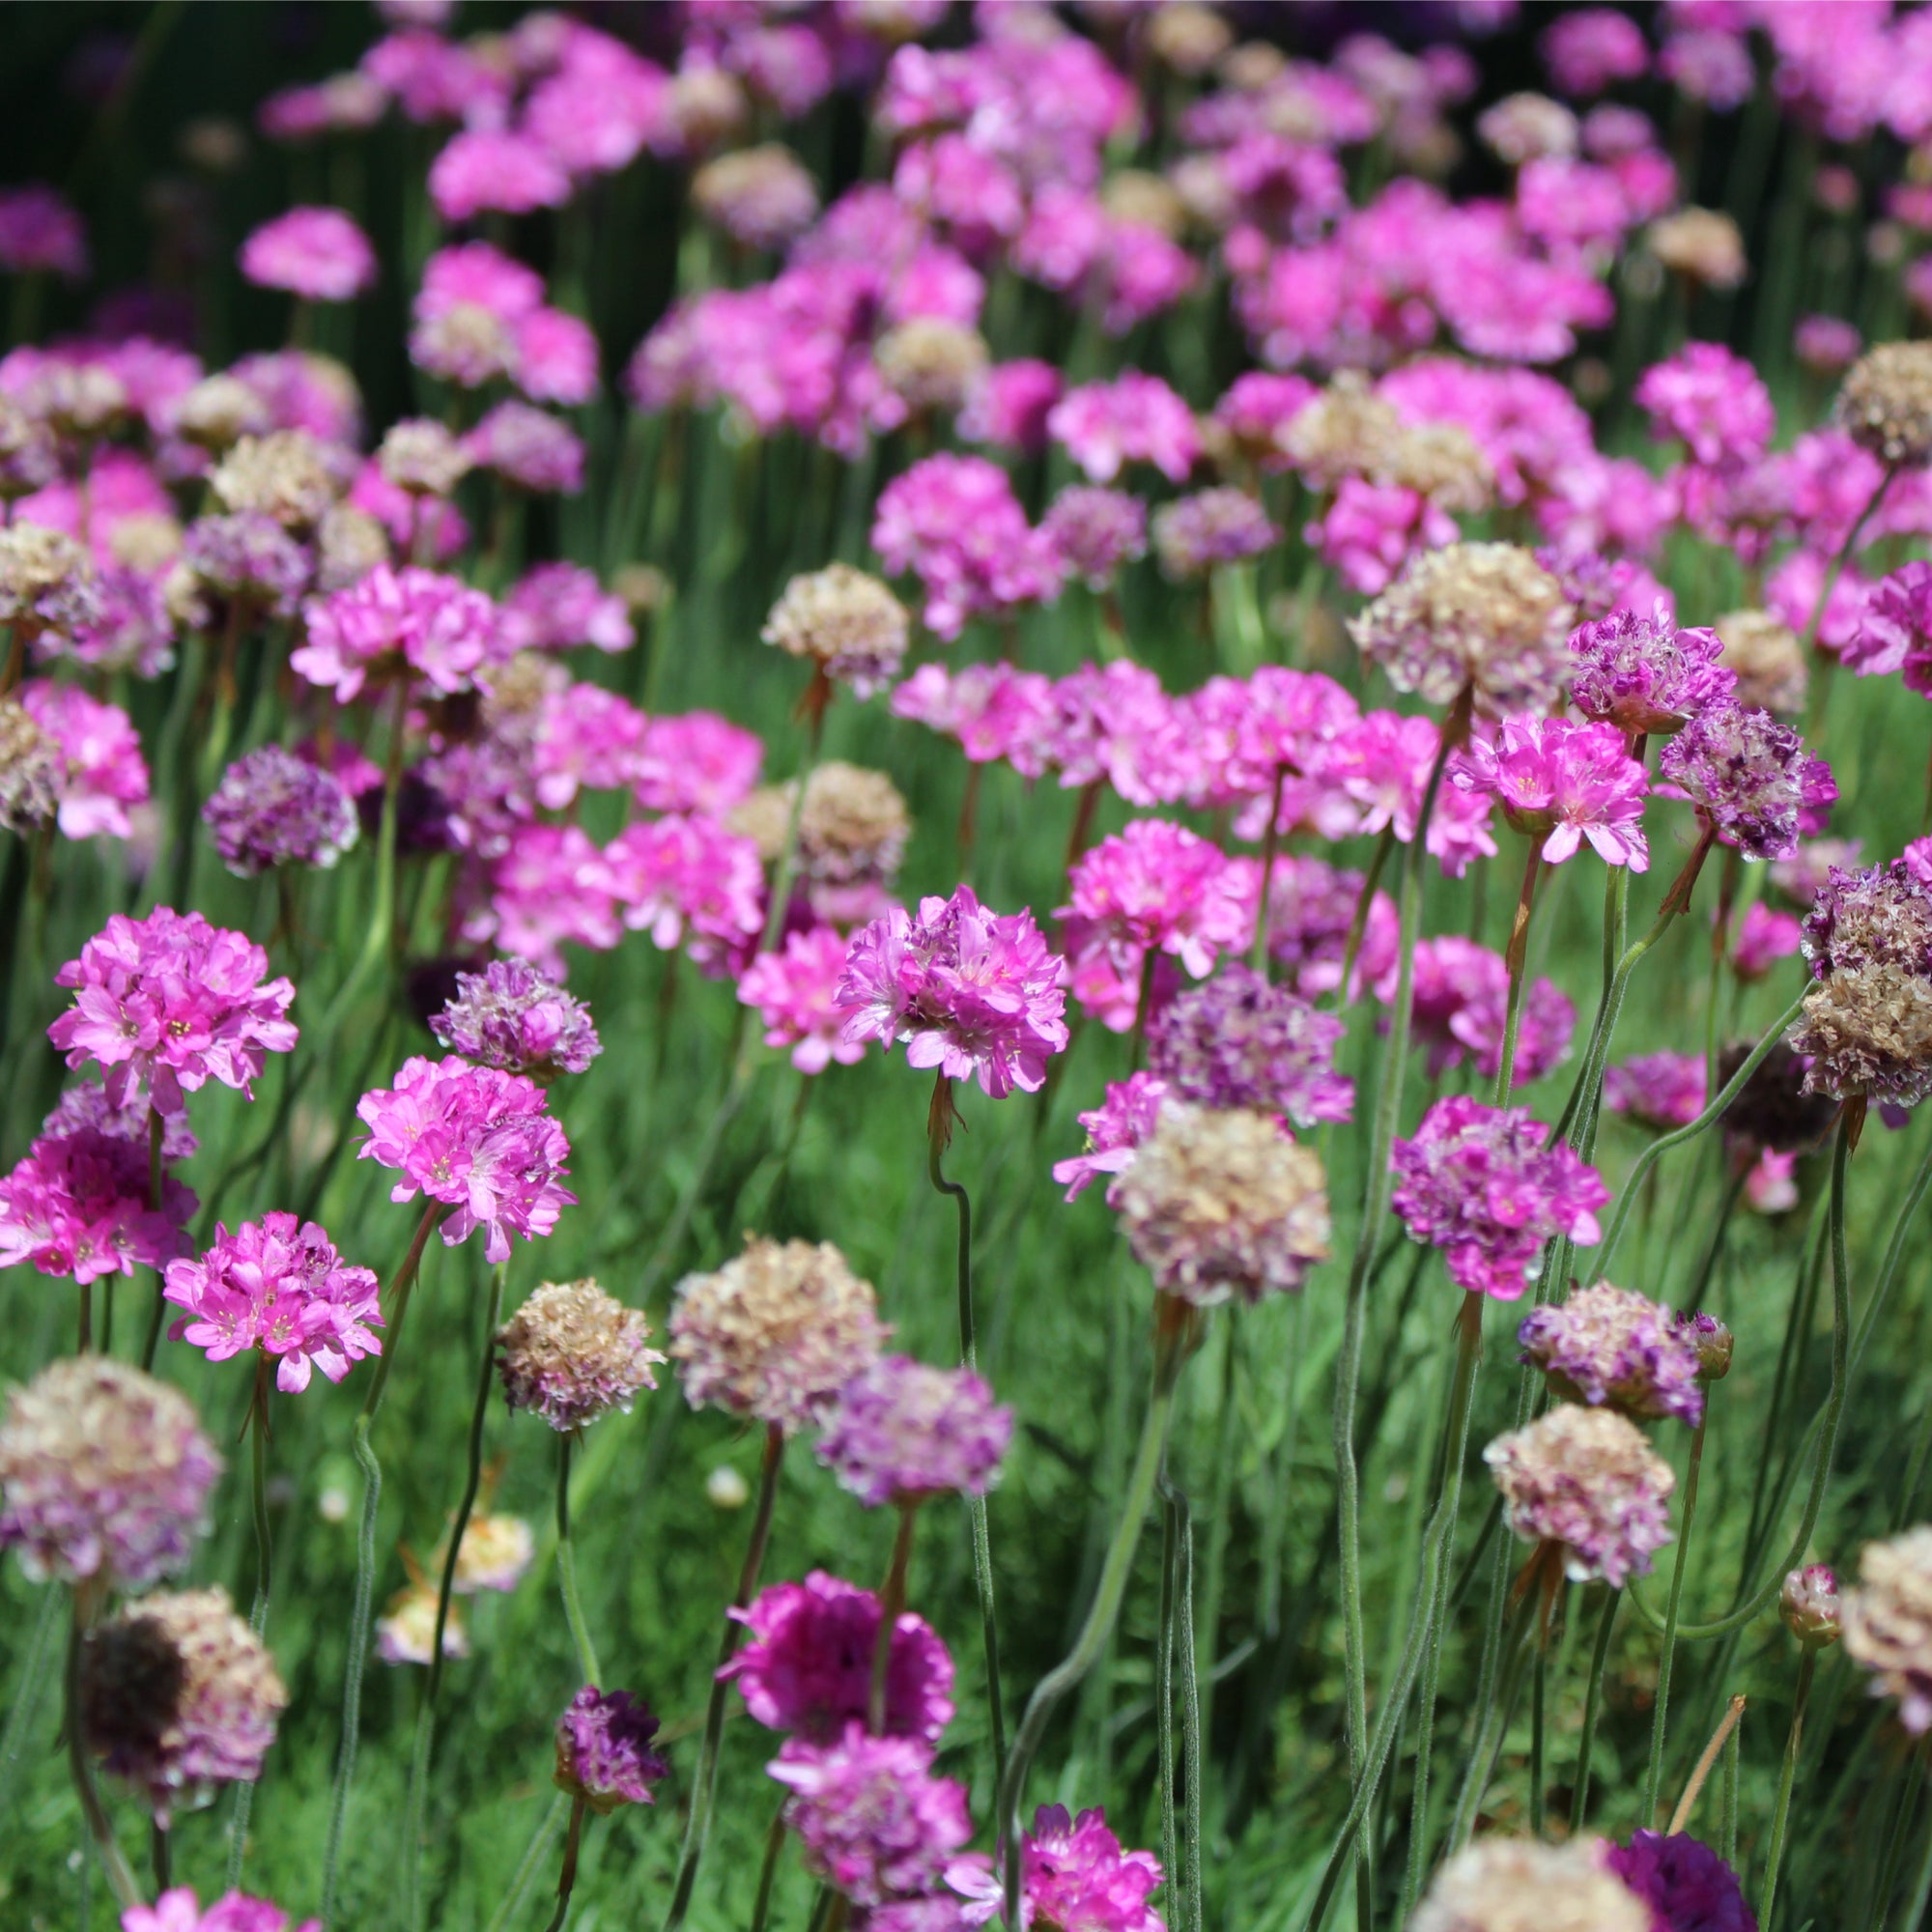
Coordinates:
<point>555,358</point>
<point>1662,1090</point>
<point>1563,783</point>
<point>795,990</point>
<point>1074,1873</point>
<point>101,769</point>
<point>279,1286</point>
<point>696,762</point>
<point>475,1139</point>
<point>484,170</point>
<point>40,231</point>
<point>901,1430</point>
<point>317,253</point>
<point>1238,1041</point>
<point>1135,419</point>
<point>529,447</point>
<point>474,274</point>
<point>686,880</point>
<point>397,623</point>
<point>808,1667</point>
<point>1095,530</point>
<point>1895,628</point>
<point>1243,733</point>
<point>1481,1183</point>
<point>169,1002</point>
<point>1153,887</point>
<point>555,606</point>
<point>1712,401</point>
<point>1751,776</point>
<point>1115,723</point>
<point>993,711</point>
<point>1370,530</point>
<point>1712,65</point>
<point>604,1755</point>
<point>1114,1131</point>
<point>1381,763</point>
<point>1589,49</point>
<point>550,884</point>
<point>588,738</point>
<point>1459,1008</point>
<point>971,993</point>
<point>1008,405</point>
<point>1643,673</point>
<point>178,1911</point>
<point>1764,937</point>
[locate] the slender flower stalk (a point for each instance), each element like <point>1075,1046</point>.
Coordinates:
<point>1514,958</point>
<point>1660,1710</point>
<point>126,1892</point>
<point>567,1565</point>
<point>258,1611</point>
<point>1593,1704</point>
<point>1780,1817</point>
<point>891,1600</point>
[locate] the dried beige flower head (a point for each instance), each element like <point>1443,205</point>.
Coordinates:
<point>1702,244</point>
<point>1348,430</point>
<point>1867,1029</point>
<point>930,363</point>
<point>846,622</point>
<point>1888,1623</point>
<point>1886,403</point>
<point>1768,660</point>
<point>421,456</point>
<point>1186,36</point>
<point>32,769</point>
<point>219,410</point>
<point>283,475</point>
<point>1519,1885</point>
<point>572,1353</point>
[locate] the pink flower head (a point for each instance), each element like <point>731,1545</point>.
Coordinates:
<point>513,1018</point>
<point>685,879</point>
<point>971,993</point>
<point>1195,533</point>
<point>477,1140</point>
<point>317,253</point>
<point>555,606</point>
<point>807,1668</point>
<point>397,623</point>
<point>1592,48</point>
<point>1751,776</point>
<point>1238,1041</point>
<point>1893,630</point>
<point>494,171</point>
<point>1459,992</point>
<point>1154,886</point>
<point>1247,732</point>
<point>555,358</point>
<point>474,274</point>
<point>169,1002</point>
<point>1662,1090</point>
<point>696,762</point>
<point>1824,344</point>
<point>277,1285</point>
<point>534,450</point>
<point>992,710</point>
<point>101,771</point>
<point>39,233</point>
<point>588,738</point>
<point>1645,674</point>
<point>1115,723</point>
<point>1095,531</point>
<point>1114,1131</point>
<point>1074,1873</point>
<point>1712,401</point>
<point>179,1910</point>
<point>1371,530</point>
<point>795,990</point>
<point>1482,1184</point>
<point>1764,937</point>
<point>1381,763</point>
<point>1135,419</point>
<point>872,1818</point>
<point>550,884</point>
<point>1563,783</point>
<point>1008,405</point>
<point>902,1431</point>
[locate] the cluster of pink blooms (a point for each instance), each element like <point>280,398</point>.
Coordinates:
<point>1458,993</point>
<point>317,253</point>
<point>100,769</point>
<point>179,1910</point>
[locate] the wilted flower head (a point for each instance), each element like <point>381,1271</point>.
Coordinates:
<point>927,363</point>
<point>317,253</point>
<point>1484,1184</point>
<point>774,1333</point>
<point>1486,615</point>
<point>104,1472</point>
<point>493,1553</point>
<point>1686,1885</point>
<point>1643,673</point>
<point>178,1696</point>
<point>1527,126</point>
<point>1222,1204</point>
<point>1886,403</point>
<point>1073,1872</point>
<point>1518,1885</point>
<point>1194,534</point>
<point>167,1003</point>
<point>1810,1606</point>
<point>1751,776</point>
<point>515,1018</point>
<point>572,1353</point>
<point>1703,244</point>
<point>275,808</point>
<point>46,579</point>
<point>1609,1347</point>
<point>1589,1480</point>
<point>283,475</point>
<point>604,1755</point>
<point>808,1666</point>
<point>279,1286</point>
<point>1867,1021</point>
<point>901,1430</point>
<point>420,456</point>
<point>1888,1623</point>
<point>406,1629</point>
<point>246,559</point>
<point>847,623</point>
<point>761,196</point>
<point>32,769</point>
<point>1238,1041</point>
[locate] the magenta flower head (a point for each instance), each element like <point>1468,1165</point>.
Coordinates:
<point>972,992</point>
<point>1480,1183</point>
<point>902,1431</point>
<point>1662,1090</point>
<point>516,1019</point>
<point>1563,783</point>
<point>392,624</point>
<point>796,991</point>
<point>1764,937</point>
<point>1156,887</point>
<point>1609,1347</point>
<point>1811,1607</point>
<point>104,1472</point>
<point>604,1755</point>
<point>273,809</point>
<point>475,1139</point>
<point>1135,419</point>
<point>1712,401</point>
<point>278,1286</point>
<point>1115,1129</point>
<point>1237,1041</point>
<point>872,1818</point>
<point>316,253</point>
<point>1461,994</point>
<point>1894,629</point>
<point>167,1003</point>
<point>808,1666</point>
<point>1750,777</point>
<point>1687,1885</point>
<point>1095,531</point>
<point>1195,533</point>
<point>1645,674</point>
<point>179,1910</point>
<point>1073,1872</point>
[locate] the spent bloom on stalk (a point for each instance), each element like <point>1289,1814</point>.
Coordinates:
<point>1073,1872</point>
<point>1194,534</point>
<point>1686,1885</point>
<point>971,993</point>
<point>179,1910</point>
<point>846,623</point>
<point>1810,1606</point>
<point>795,989</point>
<point>1519,1885</point>
<point>475,1139</point>
<point>1767,659</point>
<point>1223,1204</point>
<point>178,1696</point>
<point>513,1018</point>
<point>317,253</point>
<point>104,1472</point>
<point>1888,1623</point>
<point>167,1003</point>
<point>1609,1347</point>
<point>901,1430</point>
<point>1885,403</point>
<point>1589,1480</point>
<point>774,1333</point>
<point>1643,673</point>
<point>806,1666</point>
<point>1563,783</point>
<point>494,1552</point>
<point>572,1353</point>
<point>604,1755</point>
<point>1662,1090</point>
<point>277,1285</point>
<point>1114,1131</point>
<point>1480,1183</point>
<point>407,1629</point>
<point>397,624</point>
<point>275,808</point>
<point>1749,777</point>
<point>1238,1041</point>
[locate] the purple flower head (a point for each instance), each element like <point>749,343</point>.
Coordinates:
<point>518,1021</point>
<point>1878,916</point>
<point>555,606</point>
<point>1115,1129</point>
<point>1893,630</point>
<point>1712,402</point>
<point>1645,674</point>
<point>808,1666</point>
<point>167,1003</point>
<point>1095,530</point>
<point>1825,344</point>
<point>872,1818</point>
<point>279,1286</point>
<point>1592,48</point>
<point>604,1755</point>
<point>40,232</point>
<point>475,1139</point>
<point>1751,776</point>
<point>1662,1090</point>
<point>1237,1041</point>
<point>1007,406</point>
<point>529,447</point>
<point>275,808</point>
<point>1563,783</point>
<point>248,558</point>
<point>1609,1347</point>
<point>316,253</point>
<point>1687,1885</point>
<point>397,623</point>
<point>179,1910</point>
<point>900,1430</point>
<point>1459,992</point>
<point>1074,1873</point>
<point>1195,533</point>
<point>971,993</point>
<point>1481,1183</point>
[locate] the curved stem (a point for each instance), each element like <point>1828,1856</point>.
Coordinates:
<point>1780,1817</point>
<point>1593,1703</point>
<point>566,1567</point>
<point>1680,1819</point>
<point>258,1613</point>
<point>1653,1777</point>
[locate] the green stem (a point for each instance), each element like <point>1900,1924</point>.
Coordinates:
<point>383,911</point>
<point>258,1612</point>
<point>704,1780</point>
<point>1270,843</point>
<point>125,1890</point>
<point>1539,1691</point>
<point>1178,1646</point>
<point>891,1600</point>
<point>1593,1704</point>
<point>1780,1817</point>
<point>566,1567</point>
<point>1495,1723</point>
<point>768,1869</point>
<point>520,1879</point>
<point>1358,921</point>
<point>566,1882</point>
<point>1821,687</point>
<point>1653,1777</point>
<point>152,1339</point>
<point>1518,953</point>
